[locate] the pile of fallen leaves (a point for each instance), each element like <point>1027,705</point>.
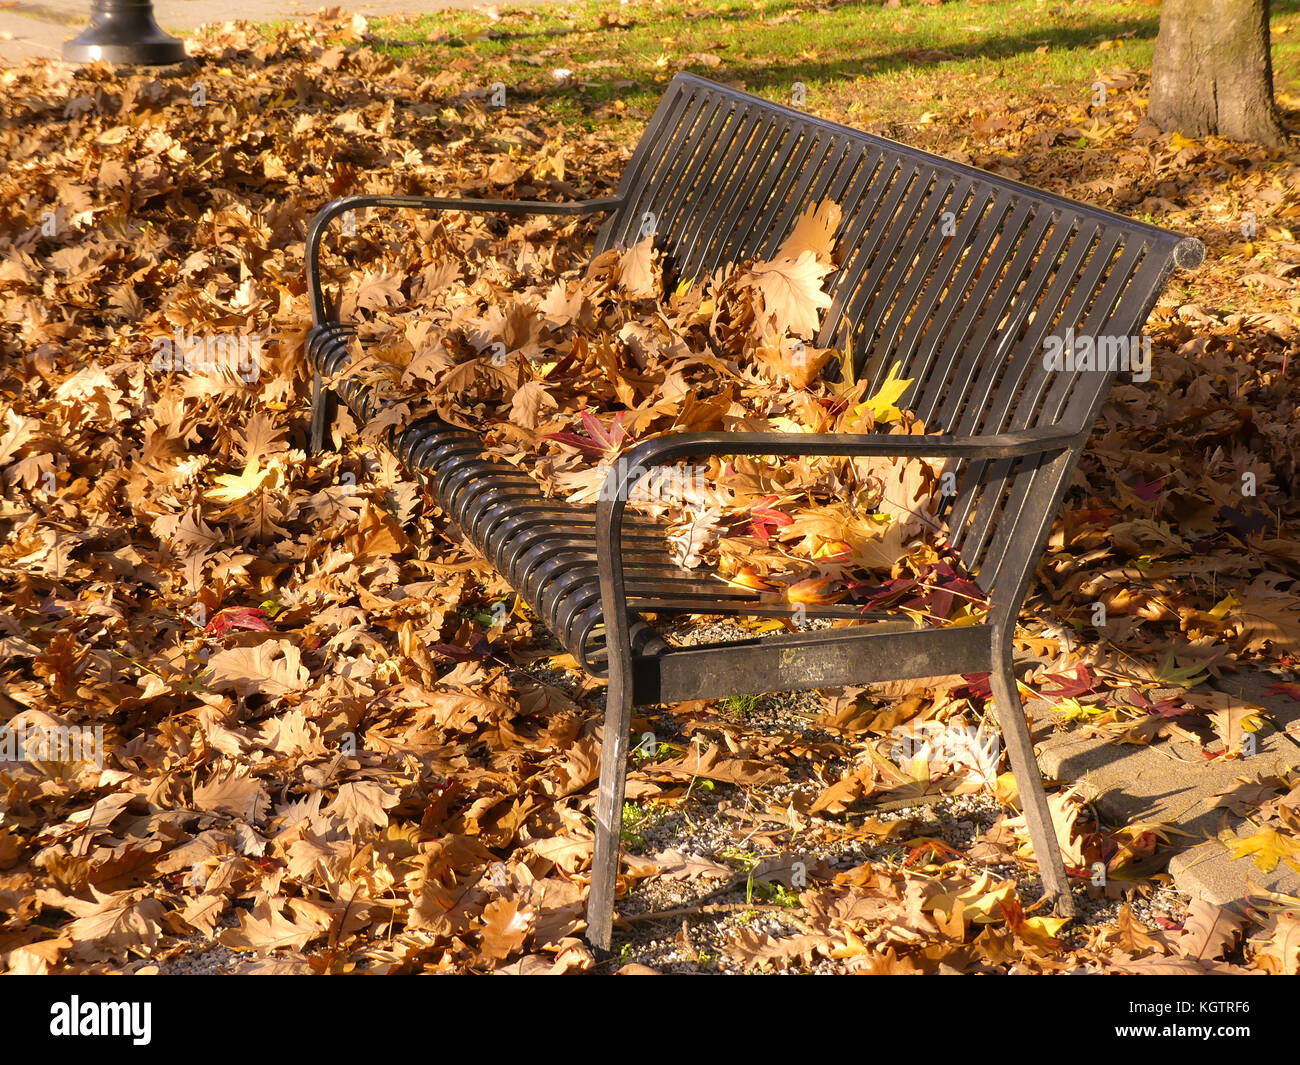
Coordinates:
<point>324,733</point>
<point>561,375</point>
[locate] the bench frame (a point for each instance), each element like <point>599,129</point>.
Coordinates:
<point>885,650</point>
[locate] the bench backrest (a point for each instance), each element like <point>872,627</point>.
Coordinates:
<point>958,276</point>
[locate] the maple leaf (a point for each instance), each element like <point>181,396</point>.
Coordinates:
<point>1268,846</point>
<point>235,487</point>
<point>881,405</point>
<point>242,617</point>
<point>792,292</point>
<point>763,518</point>
<point>1082,683</point>
<point>1171,675</point>
<point>599,441</point>
<point>815,590</point>
<point>1247,525</point>
<point>1145,490</point>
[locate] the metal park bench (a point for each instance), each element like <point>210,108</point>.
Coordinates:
<point>964,278</point>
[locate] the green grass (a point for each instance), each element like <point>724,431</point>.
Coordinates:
<point>635,818</point>
<point>880,65</point>
<point>741,705</point>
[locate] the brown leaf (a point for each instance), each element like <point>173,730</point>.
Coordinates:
<point>272,668</point>
<point>1210,931</point>
<point>792,293</point>
<point>505,927</point>
<point>237,796</point>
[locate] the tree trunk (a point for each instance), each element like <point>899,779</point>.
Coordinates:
<point>1212,73</point>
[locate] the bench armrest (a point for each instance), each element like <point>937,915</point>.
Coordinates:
<point>335,208</point>
<point>673,446</point>
<point>639,460</point>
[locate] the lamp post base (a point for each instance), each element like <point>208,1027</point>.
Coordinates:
<point>123,31</point>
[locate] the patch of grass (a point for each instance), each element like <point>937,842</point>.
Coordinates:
<point>775,893</point>
<point>741,705</point>
<point>879,65</point>
<point>636,818</point>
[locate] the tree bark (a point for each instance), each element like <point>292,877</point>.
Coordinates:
<point>1212,72</point>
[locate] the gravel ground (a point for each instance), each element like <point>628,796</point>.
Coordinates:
<point>709,826</point>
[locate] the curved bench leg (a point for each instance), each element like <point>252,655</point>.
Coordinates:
<point>609,807</point>
<point>1029,781</point>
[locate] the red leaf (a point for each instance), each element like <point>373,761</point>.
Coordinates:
<point>238,617</point>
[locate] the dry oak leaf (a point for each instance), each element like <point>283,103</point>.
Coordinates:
<point>854,785</point>
<point>120,920</point>
<point>569,853</point>
<point>363,804</point>
<point>713,764</point>
<point>377,534</point>
<point>505,927</point>
<point>271,668</point>
<point>636,270</point>
<point>266,932</point>
<point>236,796</point>
<point>1135,937</point>
<point>1210,931</point>
<point>529,403</point>
<point>674,865</point>
<point>760,949</point>
<point>311,857</point>
<point>204,912</point>
<point>1280,952</point>
<point>581,766</point>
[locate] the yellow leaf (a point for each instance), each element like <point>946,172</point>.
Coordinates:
<point>1178,141</point>
<point>1041,931</point>
<point>1269,847</point>
<point>1221,608</point>
<point>881,405</point>
<point>981,902</point>
<point>236,487</point>
<point>813,590</point>
<point>1007,791</point>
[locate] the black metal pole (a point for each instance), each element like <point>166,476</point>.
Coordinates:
<point>123,31</point>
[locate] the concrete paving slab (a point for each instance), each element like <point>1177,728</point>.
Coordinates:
<point>1208,871</point>
<point>1173,783</point>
